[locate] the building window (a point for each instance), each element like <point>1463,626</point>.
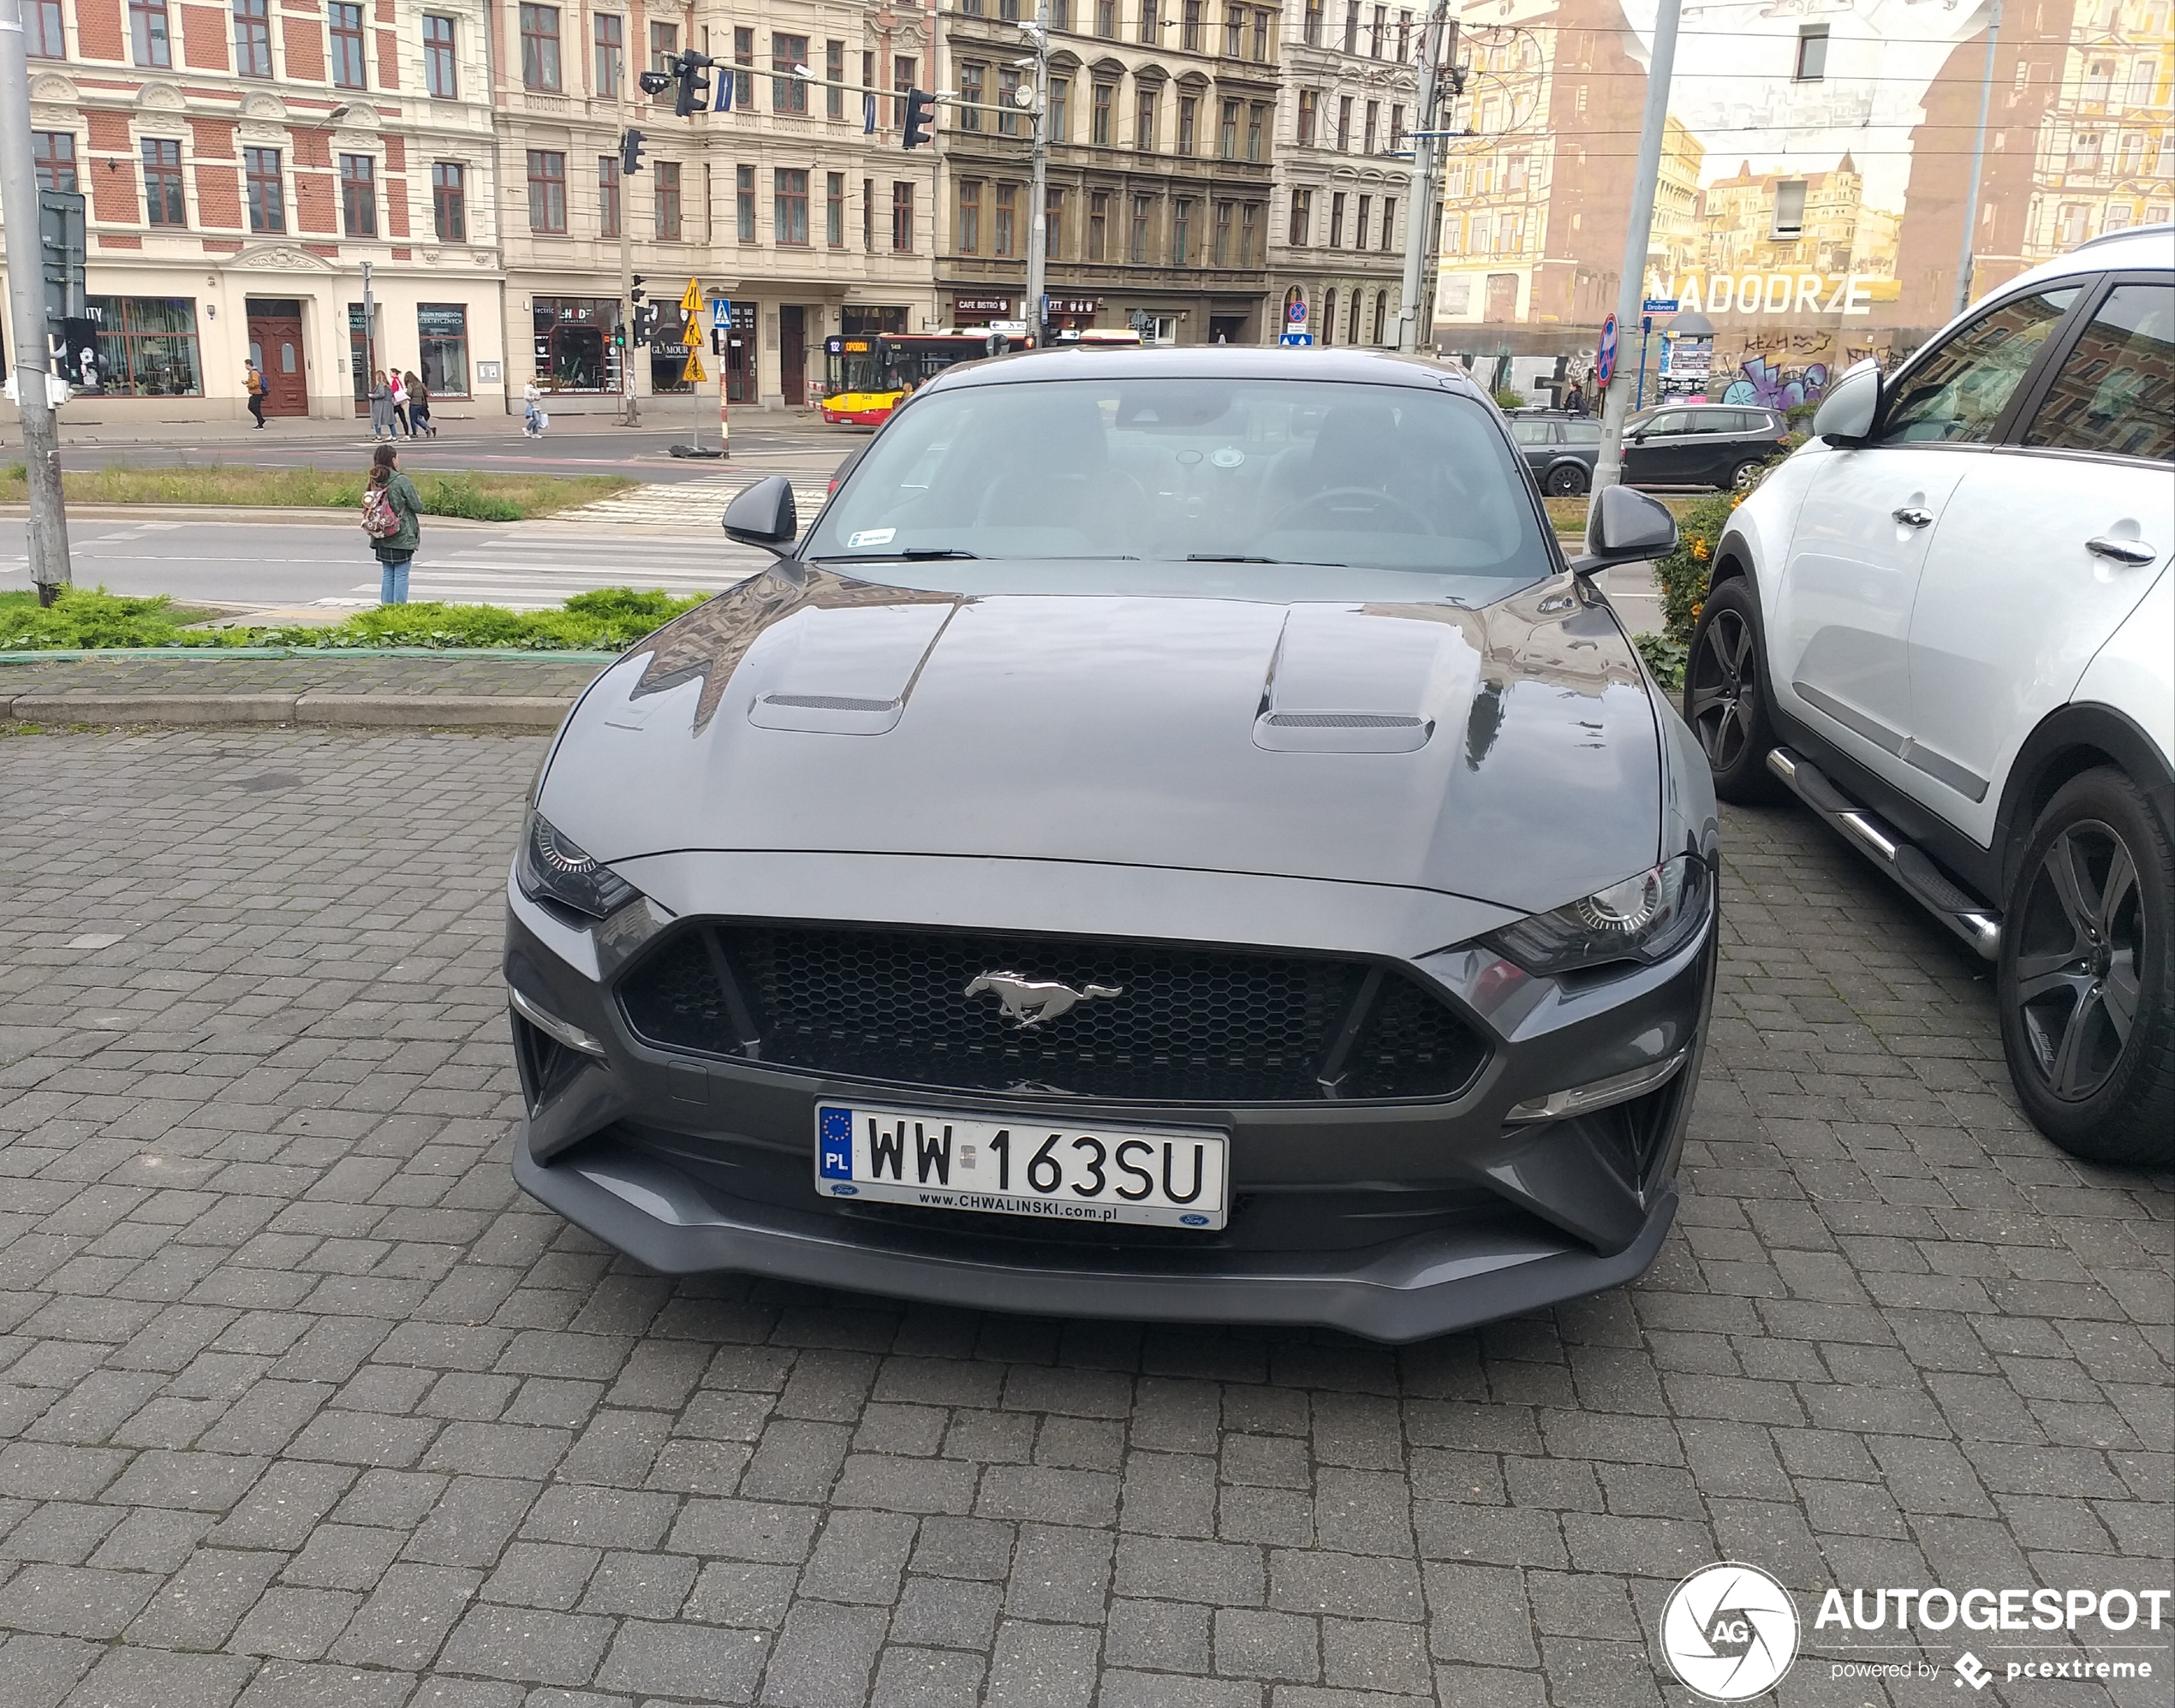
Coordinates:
<point>1310,27</point>
<point>42,35</point>
<point>1137,245</point>
<point>1367,131</point>
<point>868,215</point>
<point>834,209</point>
<point>611,52</point>
<point>267,202</point>
<point>449,201</point>
<point>664,50</point>
<point>1061,16</point>
<point>441,78</point>
<point>1234,31</point>
<point>54,153</point>
<point>608,195</point>
<point>1328,322</point>
<point>834,80</point>
<point>968,237</point>
<point>1106,18</point>
<point>359,194</point>
<point>1223,253</point>
<point>743,76</point>
<point>1006,233</point>
<point>1262,19</point>
<point>163,202</point>
<point>1189,117</point>
<point>788,93</point>
<point>1404,37</point>
<point>540,47</point>
<point>904,69</point>
<point>1381,314</point>
<point>1098,225</point>
<point>442,348</point>
<point>346,45</point>
<point>1181,232</point>
<point>970,96</point>
<point>1008,106</point>
<point>1196,24</point>
<point>1381,29</point>
<point>1309,116</point>
<point>1389,222</point>
<point>1789,208</point>
<point>147,346</point>
<point>1098,121</point>
<point>1053,222</point>
<point>902,218</point>
<point>1351,27</point>
<point>1337,220</point>
<point>1359,223</point>
<point>1144,122</point>
<point>789,206</point>
<point>252,38</point>
<point>1302,219</point>
<point>1397,130</point>
<point>546,190</point>
<point>148,36</point>
<point>1812,53</point>
<point>1060,116</point>
<point>1249,234</point>
<point>1344,124</point>
<point>1228,146</point>
<point>1151,25</point>
<point>665,193</point>
<point>744,202</point>
<point>1257,121</point>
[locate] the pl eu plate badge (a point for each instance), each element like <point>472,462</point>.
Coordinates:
<point>835,1143</point>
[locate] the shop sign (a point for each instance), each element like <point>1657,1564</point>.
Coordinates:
<point>442,319</point>
<point>981,305</point>
<point>1074,305</point>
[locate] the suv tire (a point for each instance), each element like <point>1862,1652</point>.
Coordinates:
<point>1746,475</point>
<point>1725,699</point>
<point>2086,980</point>
<point>1566,480</point>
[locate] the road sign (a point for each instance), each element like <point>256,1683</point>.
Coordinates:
<point>1659,305</point>
<point>721,314</point>
<point>1296,314</point>
<point>691,301</point>
<point>1604,359</point>
<point>1299,339</point>
<point>694,374</point>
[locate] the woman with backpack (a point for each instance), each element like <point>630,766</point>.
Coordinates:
<point>392,515</point>
<point>419,408</point>
<point>381,406</point>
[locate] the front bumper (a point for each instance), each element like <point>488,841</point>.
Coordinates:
<point>1396,1221</point>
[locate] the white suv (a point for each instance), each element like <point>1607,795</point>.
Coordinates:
<point>1946,625</point>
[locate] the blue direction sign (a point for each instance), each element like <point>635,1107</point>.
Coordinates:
<point>1659,305</point>
<point>1604,358</point>
<point>1298,338</point>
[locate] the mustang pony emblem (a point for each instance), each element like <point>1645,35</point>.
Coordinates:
<point>1029,1002</point>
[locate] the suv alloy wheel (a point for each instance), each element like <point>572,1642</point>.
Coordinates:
<point>1746,475</point>
<point>1723,701</point>
<point>2087,1013</point>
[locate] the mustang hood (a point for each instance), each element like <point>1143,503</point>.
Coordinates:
<point>1509,754</point>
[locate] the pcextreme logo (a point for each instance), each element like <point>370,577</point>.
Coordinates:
<point>1730,1631</point>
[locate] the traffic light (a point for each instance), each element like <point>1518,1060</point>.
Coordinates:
<point>920,115</point>
<point>630,153</point>
<point>637,313</point>
<point>695,88</point>
<point>655,82</point>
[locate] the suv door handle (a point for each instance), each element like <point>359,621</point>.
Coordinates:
<point>2130,551</point>
<point>1912,517</point>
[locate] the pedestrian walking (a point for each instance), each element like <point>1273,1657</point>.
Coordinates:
<point>381,406</point>
<point>254,381</point>
<point>392,515</point>
<point>419,408</point>
<point>399,389</point>
<point>534,420</point>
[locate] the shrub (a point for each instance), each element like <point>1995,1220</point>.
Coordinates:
<point>85,618</point>
<point>1683,573</point>
<point>1506,398</point>
<point>1665,658</point>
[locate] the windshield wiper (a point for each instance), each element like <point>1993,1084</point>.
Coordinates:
<point>1244,557</point>
<point>912,554</point>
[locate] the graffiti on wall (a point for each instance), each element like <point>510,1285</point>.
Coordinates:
<point>1771,386</point>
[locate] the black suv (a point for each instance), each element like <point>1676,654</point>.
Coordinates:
<point>1559,447</point>
<point>1701,444</point>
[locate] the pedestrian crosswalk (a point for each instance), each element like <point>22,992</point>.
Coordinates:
<point>696,505</point>
<point>536,568</point>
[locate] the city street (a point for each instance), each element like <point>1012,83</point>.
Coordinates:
<point>301,1403</point>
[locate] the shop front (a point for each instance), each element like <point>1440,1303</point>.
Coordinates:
<point>576,347</point>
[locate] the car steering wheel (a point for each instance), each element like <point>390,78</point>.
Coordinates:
<point>1380,499</point>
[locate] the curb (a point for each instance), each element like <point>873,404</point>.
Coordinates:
<point>81,655</point>
<point>322,710</point>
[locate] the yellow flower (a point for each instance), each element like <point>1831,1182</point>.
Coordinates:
<point>1699,551</point>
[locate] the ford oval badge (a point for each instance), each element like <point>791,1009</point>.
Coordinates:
<point>1195,1221</point>
<point>843,1190</point>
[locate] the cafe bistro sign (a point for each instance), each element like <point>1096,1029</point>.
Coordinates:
<point>1791,294</point>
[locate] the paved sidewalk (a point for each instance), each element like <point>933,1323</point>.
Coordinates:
<point>303,1406</point>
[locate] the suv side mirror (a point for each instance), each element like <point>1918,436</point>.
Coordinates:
<point>1848,414</point>
<point>764,516</point>
<point>1625,526</point>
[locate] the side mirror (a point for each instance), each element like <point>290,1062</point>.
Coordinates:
<point>764,516</point>
<point>1848,414</point>
<point>1625,526</point>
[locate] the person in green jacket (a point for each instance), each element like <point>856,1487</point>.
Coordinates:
<point>397,549</point>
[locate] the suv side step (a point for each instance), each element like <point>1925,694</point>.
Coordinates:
<point>1977,924</point>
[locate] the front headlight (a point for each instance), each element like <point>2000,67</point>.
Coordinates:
<point>1645,918</point>
<point>553,869</point>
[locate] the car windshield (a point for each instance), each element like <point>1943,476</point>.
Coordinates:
<point>1204,471</point>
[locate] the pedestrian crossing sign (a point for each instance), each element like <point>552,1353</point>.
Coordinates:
<point>694,373</point>
<point>692,302</point>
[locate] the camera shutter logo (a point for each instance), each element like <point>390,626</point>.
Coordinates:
<point>1730,1631</point>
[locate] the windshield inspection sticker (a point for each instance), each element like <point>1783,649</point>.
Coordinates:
<point>870,537</point>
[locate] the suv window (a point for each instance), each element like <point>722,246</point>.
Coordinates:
<point>1586,432</point>
<point>1530,432</point>
<point>1717,420</point>
<point>1957,394</point>
<point>2115,392</point>
<point>1670,421</point>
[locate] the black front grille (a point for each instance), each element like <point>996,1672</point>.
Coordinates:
<point>1191,1024</point>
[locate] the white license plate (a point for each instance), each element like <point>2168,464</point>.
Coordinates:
<point>1021,1168</point>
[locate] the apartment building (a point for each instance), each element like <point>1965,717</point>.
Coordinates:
<point>1337,234</point>
<point>241,163</point>
<point>787,195</point>
<point>2105,154</point>
<point>1162,126</point>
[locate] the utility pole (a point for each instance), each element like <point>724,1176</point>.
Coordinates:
<point>1038,221</point>
<point>19,214</point>
<point>631,407</point>
<point>1420,216</point>
<point>1963,267</point>
<point>1631,286</point>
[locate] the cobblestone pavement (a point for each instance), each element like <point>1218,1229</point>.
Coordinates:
<point>301,1403</point>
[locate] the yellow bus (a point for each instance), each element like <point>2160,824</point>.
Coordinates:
<point>866,373</point>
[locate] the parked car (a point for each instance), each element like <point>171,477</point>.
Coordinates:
<point>1945,624</point>
<point>1176,840</point>
<point>1558,447</point>
<point>1701,444</point>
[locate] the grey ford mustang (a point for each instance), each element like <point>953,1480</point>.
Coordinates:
<point>1176,840</point>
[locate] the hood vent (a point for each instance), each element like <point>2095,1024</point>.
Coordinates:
<point>1358,680</point>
